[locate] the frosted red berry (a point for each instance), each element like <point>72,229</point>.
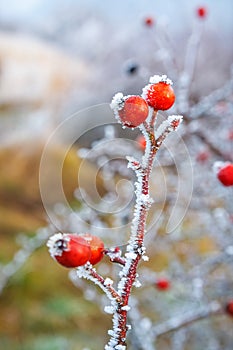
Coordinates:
<point>134,111</point>
<point>201,12</point>
<point>160,96</point>
<point>69,250</point>
<point>163,284</point>
<point>229,308</point>
<point>96,246</point>
<point>149,21</point>
<point>225,174</point>
<point>141,142</point>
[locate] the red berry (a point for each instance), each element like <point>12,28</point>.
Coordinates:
<point>134,111</point>
<point>160,96</point>
<point>141,142</point>
<point>117,250</point>
<point>96,246</point>
<point>70,250</point>
<point>162,284</point>
<point>225,174</point>
<point>201,12</point>
<point>202,156</point>
<point>229,308</point>
<point>230,135</point>
<point>149,21</point>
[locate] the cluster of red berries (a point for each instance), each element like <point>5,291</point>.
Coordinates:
<point>224,173</point>
<point>133,110</point>
<point>73,250</point>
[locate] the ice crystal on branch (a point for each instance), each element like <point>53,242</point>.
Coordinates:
<point>171,124</point>
<point>117,102</point>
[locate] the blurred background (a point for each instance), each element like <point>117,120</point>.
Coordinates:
<point>58,58</point>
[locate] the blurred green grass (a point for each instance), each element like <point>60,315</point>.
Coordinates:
<point>41,309</point>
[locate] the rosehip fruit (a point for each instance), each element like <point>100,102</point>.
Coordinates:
<point>230,135</point>
<point>96,246</point>
<point>160,94</point>
<point>202,156</point>
<point>201,12</point>
<point>134,111</point>
<point>141,142</point>
<point>225,174</point>
<point>70,250</point>
<point>229,308</point>
<point>149,21</point>
<point>162,284</point>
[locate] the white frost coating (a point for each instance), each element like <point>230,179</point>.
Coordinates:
<point>125,308</point>
<point>148,142</point>
<point>109,309</point>
<point>122,282</point>
<point>160,79</point>
<point>170,124</point>
<point>110,332</point>
<point>173,118</point>
<point>112,344</point>
<point>137,284</point>
<point>108,282</point>
<point>141,250</point>
<point>146,199</point>
<point>85,272</point>
<point>133,163</point>
<point>117,101</point>
<point>131,255</point>
<point>113,254</point>
<point>117,104</point>
<point>145,258</point>
<point>219,165</point>
<point>51,244</point>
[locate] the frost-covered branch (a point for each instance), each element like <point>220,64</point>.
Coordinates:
<point>189,65</point>
<point>89,273</point>
<point>135,250</point>
<point>115,255</point>
<point>184,320</point>
<point>169,125</point>
<point>29,245</point>
<point>206,104</point>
